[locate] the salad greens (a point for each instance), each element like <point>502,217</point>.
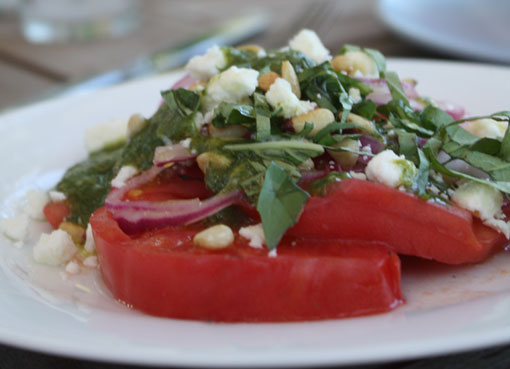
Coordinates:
<point>268,162</point>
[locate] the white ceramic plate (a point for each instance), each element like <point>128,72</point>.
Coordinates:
<point>449,309</point>
<point>468,28</point>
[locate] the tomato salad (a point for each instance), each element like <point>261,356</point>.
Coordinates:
<point>282,185</point>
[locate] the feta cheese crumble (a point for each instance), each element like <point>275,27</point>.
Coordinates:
<point>125,173</point>
<point>55,248</point>
<point>36,200</point>
<point>203,67</point>
<point>255,234</point>
<point>391,170</point>
<point>280,95</point>
<point>57,196</point>
<point>231,86</point>
<point>15,228</point>
<point>484,202</point>
<point>103,135</point>
<point>90,245</point>
<point>486,128</point>
<point>311,45</point>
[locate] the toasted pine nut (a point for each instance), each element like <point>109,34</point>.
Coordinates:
<point>364,124</point>
<point>76,231</point>
<point>319,117</point>
<point>216,237</point>
<point>254,48</point>
<point>209,159</point>
<point>135,124</point>
<point>267,79</point>
<point>355,61</point>
<point>346,159</point>
<point>289,74</point>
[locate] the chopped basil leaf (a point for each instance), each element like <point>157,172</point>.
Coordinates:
<point>280,203</point>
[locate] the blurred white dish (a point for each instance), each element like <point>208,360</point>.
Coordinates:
<point>468,28</point>
<point>449,309</point>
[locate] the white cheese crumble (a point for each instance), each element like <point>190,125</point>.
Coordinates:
<point>102,135</point>
<point>185,143</point>
<point>310,44</point>
<point>55,248</point>
<point>125,173</point>
<point>36,200</point>
<point>231,86</point>
<point>57,196</point>
<point>355,95</point>
<point>15,228</point>
<point>358,175</point>
<point>486,128</point>
<point>90,262</point>
<point>255,234</point>
<point>90,245</point>
<point>280,95</point>
<point>272,253</point>
<point>72,267</point>
<point>203,67</point>
<point>482,200</point>
<point>389,169</point>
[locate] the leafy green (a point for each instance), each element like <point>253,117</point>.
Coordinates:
<point>319,186</point>
<point>179,121</point>
<point>376,55</point>
<point>395,87</point>
<point>87,183</point>
<point>280,203</point>
<point>227,114</point>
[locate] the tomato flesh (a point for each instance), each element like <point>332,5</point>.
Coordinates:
<point>163,273</point>
<point>363,210</point>
<point>56,212</point>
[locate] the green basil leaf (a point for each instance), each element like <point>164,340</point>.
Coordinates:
<point>227,114</point>
<point>434,118</point>
<point>395,87</point>
<point>504,152</point>
<point>179,121</point>
<point>422,178</point>
<point>280,203</point>
<point>408,145</point>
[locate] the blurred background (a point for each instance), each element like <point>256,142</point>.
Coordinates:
<point>48,44</point>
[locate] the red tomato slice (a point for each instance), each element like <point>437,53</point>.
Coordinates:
<point>362,210</point>
<point>56,212</point>
<point>163,273</point>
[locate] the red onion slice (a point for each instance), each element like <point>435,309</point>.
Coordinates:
<point>170,154</point>
<point>185,82</point>
<point>381,94</point>
<point>114,198</point>
<point>168,214</point>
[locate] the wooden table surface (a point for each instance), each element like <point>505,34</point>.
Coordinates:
<point>28,71</point>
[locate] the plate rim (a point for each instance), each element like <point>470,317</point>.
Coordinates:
<point>19,341</point>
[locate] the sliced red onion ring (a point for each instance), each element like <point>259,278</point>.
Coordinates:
<point>185,82</point>
<point>114,198</point>
<point>376,146</point>
<point>312,175</point>
<point>456,111</point>
<point>381,94</point>
<point>171,154</point>
<point>186,212</point>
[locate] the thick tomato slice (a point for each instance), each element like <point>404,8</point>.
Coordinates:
<point>362,210</point>
<point>164,273</point>
<point>56,212</point>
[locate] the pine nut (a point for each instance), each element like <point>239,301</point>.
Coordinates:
<point>216,237</point>
<point>346,159</point>
<point>320,118</point>
<point>289,74</point>
<point>267,79</point>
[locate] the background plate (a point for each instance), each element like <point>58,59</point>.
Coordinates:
<point>468,28</point>
<point>449,309</point>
